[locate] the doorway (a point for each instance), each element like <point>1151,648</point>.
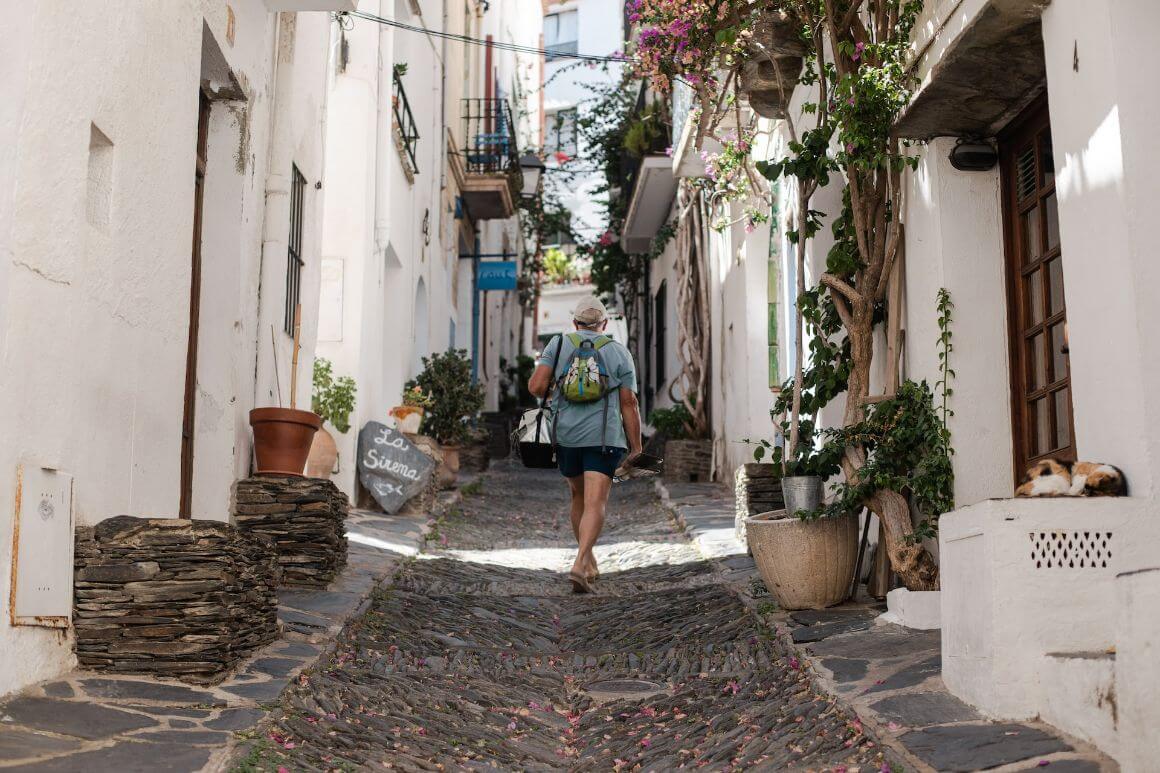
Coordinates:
<point>1043,425</point>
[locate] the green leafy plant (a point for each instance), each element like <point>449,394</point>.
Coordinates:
<point>455,398</point>
<point>559,266</point>
<point>674,423</point>
<point>332,398</point>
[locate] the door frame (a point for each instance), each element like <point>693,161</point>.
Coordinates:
<point>1027,125</point>
<point>189,410</point>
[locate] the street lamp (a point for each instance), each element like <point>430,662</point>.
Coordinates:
<point>532,168</point>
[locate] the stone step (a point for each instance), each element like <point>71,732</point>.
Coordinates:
<point>1080,696</point>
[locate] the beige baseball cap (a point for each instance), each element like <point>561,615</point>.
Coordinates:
<point>589,311</point>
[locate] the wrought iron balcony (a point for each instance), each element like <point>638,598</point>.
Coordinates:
<point>491,159</point>
<point>406,133</point>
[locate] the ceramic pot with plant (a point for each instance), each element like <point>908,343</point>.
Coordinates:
<point>409,416</point>
<point>333,400</point>
<point>282,436</point>
<point>454,401</point>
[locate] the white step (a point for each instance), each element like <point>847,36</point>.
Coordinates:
<point>1079,696</point>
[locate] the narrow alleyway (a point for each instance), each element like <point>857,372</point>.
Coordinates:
<point>478,655</point>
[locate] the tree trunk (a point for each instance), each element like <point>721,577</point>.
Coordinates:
<point>908,558</point>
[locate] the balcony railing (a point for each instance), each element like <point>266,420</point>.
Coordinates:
<point>489,139</point>
<point>408,133</point>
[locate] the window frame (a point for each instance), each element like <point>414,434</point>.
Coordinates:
<point>555,49</point>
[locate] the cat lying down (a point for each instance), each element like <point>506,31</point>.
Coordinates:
<point>1056,478</point>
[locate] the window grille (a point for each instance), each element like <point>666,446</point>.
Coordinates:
<point>407,133</point>
<point>294,260</point>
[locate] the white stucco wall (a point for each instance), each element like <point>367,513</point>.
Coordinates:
<point>96,314</point>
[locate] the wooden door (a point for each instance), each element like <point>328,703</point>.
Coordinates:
<point>187,424</point>
<point>1040,370</point>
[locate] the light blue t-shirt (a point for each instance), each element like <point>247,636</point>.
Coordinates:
<point>578,424</point>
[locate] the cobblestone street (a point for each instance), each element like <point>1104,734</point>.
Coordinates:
<point>479,656</point>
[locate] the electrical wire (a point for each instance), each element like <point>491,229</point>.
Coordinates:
<point>515,47</point>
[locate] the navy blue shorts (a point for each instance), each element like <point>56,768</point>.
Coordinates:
<point>574,462</point>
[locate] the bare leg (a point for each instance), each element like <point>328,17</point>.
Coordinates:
<point>596,488</point>
<point>577,487</point>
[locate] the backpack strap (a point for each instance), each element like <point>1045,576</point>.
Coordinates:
<point>575,339</point>
<point>601,341</point>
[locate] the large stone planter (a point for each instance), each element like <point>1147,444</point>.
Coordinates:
<point>169,597</point>
<point>805,564</point>
<point>689,461</point>
<point>756,489</point>
<point>305,518</point>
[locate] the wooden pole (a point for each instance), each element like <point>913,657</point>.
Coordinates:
<point>294,363</point>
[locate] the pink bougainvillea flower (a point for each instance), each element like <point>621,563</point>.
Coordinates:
<point>562,157</point>
<point>793,662</point>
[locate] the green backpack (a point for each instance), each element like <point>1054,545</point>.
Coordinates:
<point>586,379</point>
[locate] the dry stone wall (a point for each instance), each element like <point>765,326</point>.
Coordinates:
<point>179,598</point>
<point>305,518</point>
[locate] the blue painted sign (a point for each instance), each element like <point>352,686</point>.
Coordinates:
<point>495,275</point>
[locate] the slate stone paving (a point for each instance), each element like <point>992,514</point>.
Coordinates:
<point>93,721</point>
<point>888,675</point>
<point>479,656</point>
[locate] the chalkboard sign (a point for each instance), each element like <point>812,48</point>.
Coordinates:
<point>391,467</point>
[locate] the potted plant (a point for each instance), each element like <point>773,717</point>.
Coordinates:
<point>333,400</point>
<point>282,436</point>
<point>409,415</point>
<point>687,458</point>
<point>805,554</point>
<point>454,399</point>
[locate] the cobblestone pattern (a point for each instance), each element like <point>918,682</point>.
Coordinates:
<point>479,656</point>
<point>688,460</point>
<point>756,489</point>
<point>188,599</point>
<point>85,721</point>
<point>887,674</point>
<point>305,518</point>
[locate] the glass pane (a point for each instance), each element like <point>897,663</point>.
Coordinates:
<point>1034,297</point>
<point>1055,282</point>
<point>1058,358</point>
<point>1051,208</point>
<point>1038,427</point>
<point>1029,226</point>
<point>1046,160</point>
<point>1036,378</point>
<point>1062,418</point>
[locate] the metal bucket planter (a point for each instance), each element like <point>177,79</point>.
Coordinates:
<point>801,492</point>
<point>805,564</point>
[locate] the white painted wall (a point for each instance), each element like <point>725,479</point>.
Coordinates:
<point>96,315</point>
<point>394,233</point>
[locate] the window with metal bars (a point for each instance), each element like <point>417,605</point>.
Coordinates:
<point>407,134</point>
<point>294,260</point>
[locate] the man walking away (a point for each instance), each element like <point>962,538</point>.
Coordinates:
<point>596,421</point>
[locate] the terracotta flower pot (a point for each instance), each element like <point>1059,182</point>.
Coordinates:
<point>805,564</point>
<point>451,458</point>
<point>323,455</point>
<point>282,438</point>
<point>408,417</point>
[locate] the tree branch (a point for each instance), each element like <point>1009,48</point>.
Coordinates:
<point>839,286</point>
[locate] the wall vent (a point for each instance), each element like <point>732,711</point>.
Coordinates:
<point>1071,549</point>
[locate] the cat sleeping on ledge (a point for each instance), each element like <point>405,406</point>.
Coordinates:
<point>1057,478</point>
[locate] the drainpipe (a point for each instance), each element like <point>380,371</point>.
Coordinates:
<point>475,313</point>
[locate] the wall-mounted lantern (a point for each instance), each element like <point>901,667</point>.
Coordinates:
<point>532,169</point>
<point>969,155</point>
